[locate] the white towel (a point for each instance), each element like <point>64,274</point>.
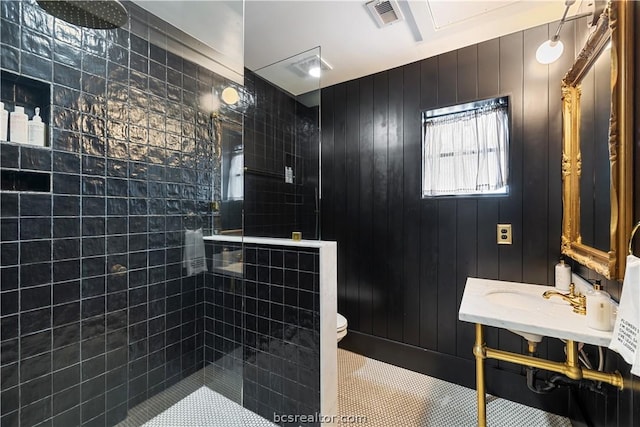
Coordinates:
<point>235,189</point>
<point>193,257</point>
<point>626,331</point>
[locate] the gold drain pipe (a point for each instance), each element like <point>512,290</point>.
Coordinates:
<point>569,368</point>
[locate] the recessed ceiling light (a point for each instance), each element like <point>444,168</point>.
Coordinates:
<point>310,66</point>
<point>314,72</point>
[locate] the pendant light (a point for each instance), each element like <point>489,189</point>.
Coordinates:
<point>553,48</point>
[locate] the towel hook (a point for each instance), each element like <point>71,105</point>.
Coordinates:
<point>633,233</point>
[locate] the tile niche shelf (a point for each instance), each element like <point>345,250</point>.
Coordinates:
<point>28,93</point>
<point>20,163</point>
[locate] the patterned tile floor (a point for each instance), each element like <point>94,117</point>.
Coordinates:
<point>370,394</point>
<point>387,395</point>
<point>206,408</point>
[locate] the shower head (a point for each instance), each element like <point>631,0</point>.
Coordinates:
<point>99,14</point>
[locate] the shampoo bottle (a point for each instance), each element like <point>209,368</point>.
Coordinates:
<point>36,130</point>
<point>598,308</point>
<point>18,128</point>
<point>4,122</point>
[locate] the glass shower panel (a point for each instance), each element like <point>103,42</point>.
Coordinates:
<point>185,358</point>
<point>282,148</point>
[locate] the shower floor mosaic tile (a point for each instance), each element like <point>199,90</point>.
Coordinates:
<point>387,395</point>
<point>206,408</point>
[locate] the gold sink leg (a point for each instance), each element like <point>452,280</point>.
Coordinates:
<point>478,351</point>
<point>573,370</point>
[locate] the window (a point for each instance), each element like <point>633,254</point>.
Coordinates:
<point>465,149</point>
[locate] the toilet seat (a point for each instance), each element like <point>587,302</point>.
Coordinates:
<point>341,322</point>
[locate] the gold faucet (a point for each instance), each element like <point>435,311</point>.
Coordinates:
<point>578,302</point>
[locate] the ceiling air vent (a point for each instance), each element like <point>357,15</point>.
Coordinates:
<point>385,12</point>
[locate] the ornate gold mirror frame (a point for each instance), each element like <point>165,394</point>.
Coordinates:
<point>617,21</point>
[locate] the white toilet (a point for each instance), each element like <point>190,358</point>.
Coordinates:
<point>341,323</point>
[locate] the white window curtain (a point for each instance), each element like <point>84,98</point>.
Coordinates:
<point>466,153</point>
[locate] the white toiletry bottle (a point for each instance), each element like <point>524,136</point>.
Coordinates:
<point>18,127</point>
<point>37,130</point>
<point>598,308</point>
<point>563,276</point>
<point>4,122</point>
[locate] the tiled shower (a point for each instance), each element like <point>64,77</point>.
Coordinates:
<point>130,154</point>
<point>97,314</point>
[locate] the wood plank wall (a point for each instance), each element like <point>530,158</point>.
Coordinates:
<point>403,260</point>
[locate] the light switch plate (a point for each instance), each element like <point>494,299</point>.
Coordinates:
<point>504,234</point>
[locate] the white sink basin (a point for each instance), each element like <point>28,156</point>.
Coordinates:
<point>519,301</point>
<point>520,308</point>
<point>513,299</point>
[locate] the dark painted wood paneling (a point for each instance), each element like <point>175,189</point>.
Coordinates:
<point>447,78</point>
<point>428,327</point>
<point>338,163</point>
<point>535,148</point>
<point>467,75</point>
<point>511,83</point>
<point>365,224</point>
<point>445,247</point>
<point>396,287</point>
<point>429,257</point>
<point>466,266</point>
<point>381,259</point>
<point>327,191</point>
<point>350,306</point>
<point>415,314</point>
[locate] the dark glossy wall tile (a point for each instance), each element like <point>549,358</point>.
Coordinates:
<point>77,335</point>
<point>276,325</point>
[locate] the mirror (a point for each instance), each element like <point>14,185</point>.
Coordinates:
<point>595,181</point>
<point>597,123</point>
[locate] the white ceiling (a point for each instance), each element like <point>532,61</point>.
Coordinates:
<point>354,46</point>
<point>348,37</point>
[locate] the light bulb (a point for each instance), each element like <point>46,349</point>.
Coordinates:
<point>549,51</point>
<point>314,72</point>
